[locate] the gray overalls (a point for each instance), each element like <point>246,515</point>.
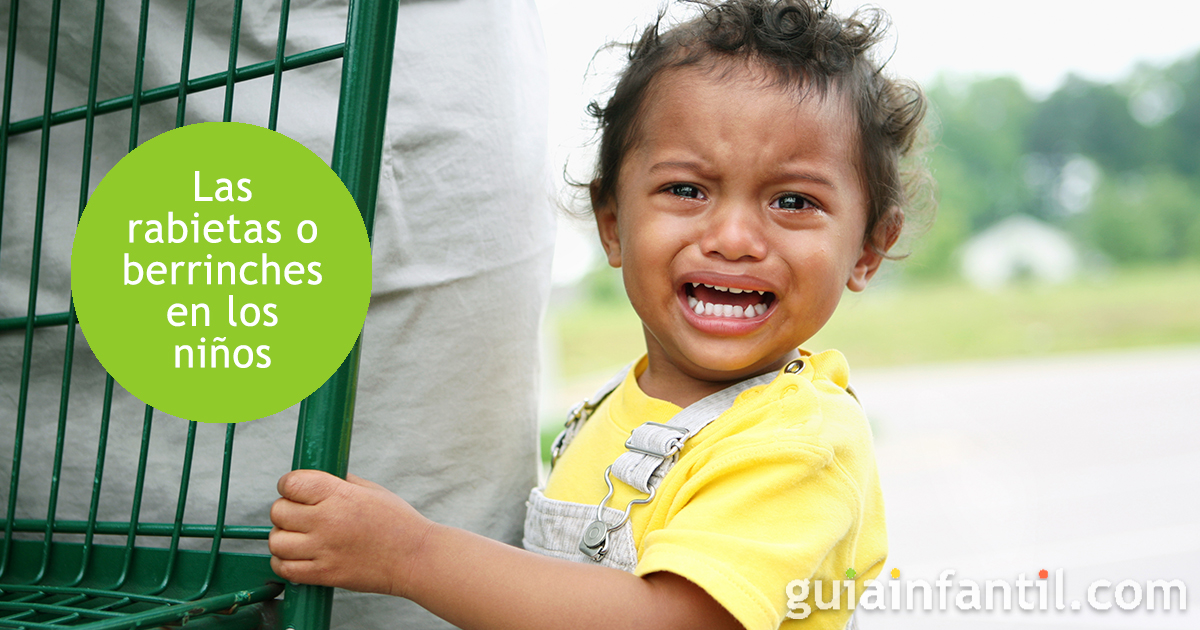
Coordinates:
<point>602,534</point>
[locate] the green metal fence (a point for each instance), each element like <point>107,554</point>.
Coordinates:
<point>56,572</point>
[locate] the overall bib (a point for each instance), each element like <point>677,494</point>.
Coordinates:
<point>601,534</point>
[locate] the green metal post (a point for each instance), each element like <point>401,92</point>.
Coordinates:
<point>323,439</point>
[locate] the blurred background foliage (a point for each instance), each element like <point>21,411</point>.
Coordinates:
<point>1116,165</point>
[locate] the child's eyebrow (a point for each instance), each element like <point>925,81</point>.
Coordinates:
<point>689,166</point>
<point>807,177</point>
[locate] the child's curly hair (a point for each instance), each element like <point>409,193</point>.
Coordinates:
<point>805,47</point>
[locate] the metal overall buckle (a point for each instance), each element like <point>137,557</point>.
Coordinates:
<point>594,543</point>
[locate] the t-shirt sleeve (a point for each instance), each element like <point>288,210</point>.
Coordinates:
<point>746,525</point>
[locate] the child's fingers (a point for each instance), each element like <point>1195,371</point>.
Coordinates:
<point>291,516</point>
<point>298,571</point>
<point>287,545</point>
<point>309,487</point>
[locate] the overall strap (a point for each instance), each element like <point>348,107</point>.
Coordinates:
<point>653,448</point>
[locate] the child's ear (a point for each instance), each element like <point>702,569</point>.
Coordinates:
<point>606,223</point>
<point>886,233</point>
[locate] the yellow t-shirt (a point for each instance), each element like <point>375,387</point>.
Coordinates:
<point>781,487</point>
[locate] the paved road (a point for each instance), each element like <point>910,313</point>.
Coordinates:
<point>1088,463</point>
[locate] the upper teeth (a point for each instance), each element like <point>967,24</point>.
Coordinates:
<point>728,289</point>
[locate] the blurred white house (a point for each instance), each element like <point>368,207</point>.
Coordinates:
<point>1019,247</point>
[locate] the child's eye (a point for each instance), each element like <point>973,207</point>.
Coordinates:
<point>792,201</point>
<point>687,191</point>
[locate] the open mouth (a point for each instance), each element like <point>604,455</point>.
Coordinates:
<point>709,300</point>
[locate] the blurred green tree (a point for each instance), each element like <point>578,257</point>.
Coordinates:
<point>1181,130</point>
<point>1139,218</point>
<point>979,158</point>
<point>1118,164</point>
<point>1085,118</point>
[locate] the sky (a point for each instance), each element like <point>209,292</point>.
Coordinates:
<point>1040,43</point>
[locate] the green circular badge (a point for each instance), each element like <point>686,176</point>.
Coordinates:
<point>221,272</point>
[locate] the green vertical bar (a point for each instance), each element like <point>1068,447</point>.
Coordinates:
<point>234,34</point>
<point>298,452</point>
<point>325,421</point>
<point>362,112</point>
<point>284,10</point>
<point>5,112</point>
<point>61,435</point>
<point>185,478</point>
<point>134,123</point>
<point>138,73</point>
<point>185,63</point>
<point>214,553</point>
<point>135,511</point>
<point>84,184</point>
<point>97,477</point>
<point>4,118</point>
<point>34,274</point>
<point>324,442</point>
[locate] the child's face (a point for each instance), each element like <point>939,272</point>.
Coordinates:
<point>737,184</point>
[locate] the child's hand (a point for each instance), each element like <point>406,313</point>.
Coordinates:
<point>357,535</point>
<point>352,534</point>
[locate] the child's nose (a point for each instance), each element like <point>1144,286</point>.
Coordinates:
<point>734,231</point>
